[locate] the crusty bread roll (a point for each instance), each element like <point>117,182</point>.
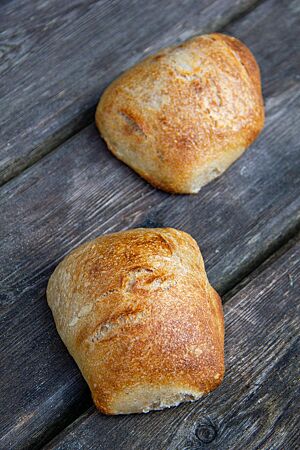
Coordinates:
<point>182,116</point>
<point>137,313</point>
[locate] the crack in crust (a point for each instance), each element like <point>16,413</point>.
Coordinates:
<point>145,278</point>
<point>132,124</point>
<point>87,309</point>
<point>107,330</point>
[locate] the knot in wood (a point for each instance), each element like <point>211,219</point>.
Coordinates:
<point>206,431</point>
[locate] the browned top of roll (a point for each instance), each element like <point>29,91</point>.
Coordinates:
<point>182,116</point>
<point>137,313</point>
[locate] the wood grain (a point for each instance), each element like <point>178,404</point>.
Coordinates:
<point>56,58</point>
<point>80,191</point>
<point>255,407</point>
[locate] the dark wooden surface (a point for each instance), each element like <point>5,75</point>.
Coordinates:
<point>255,407</point>
<point>79,191</point>
<point>57,56</point>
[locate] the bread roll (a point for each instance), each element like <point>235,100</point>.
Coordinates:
<point>182,116</point>
<point>137,313</point>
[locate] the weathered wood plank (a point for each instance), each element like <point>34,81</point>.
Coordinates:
<point>256,407</point>
<point>58,56</point>
<point>80,191</point>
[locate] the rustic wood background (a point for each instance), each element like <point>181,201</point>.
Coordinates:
<point>60,187</point>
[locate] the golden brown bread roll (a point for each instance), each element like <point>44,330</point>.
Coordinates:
<point>137,313</point>
<point>182,116</point>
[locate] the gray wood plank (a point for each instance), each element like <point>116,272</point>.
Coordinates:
<point>256,407</point>
<point>58,56</point>
<point>80,191</point>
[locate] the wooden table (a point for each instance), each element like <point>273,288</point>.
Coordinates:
<point>61,187</point>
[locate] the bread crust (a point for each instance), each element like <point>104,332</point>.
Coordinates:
<point>180,117</point>
<point>137,313</point>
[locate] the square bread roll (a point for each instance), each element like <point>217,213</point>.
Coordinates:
<point>182,116</point>
<point>137,313</point>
